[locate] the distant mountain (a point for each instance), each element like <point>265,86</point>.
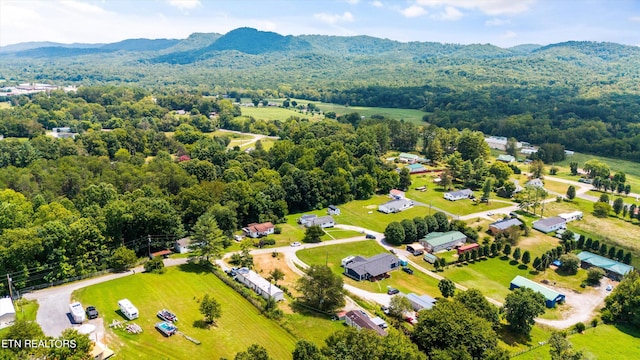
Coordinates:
<point>58,51</point>
<point>604,50</point>
<point>141,45</point>
<point>252,41</point>
<point>525,48</point>
<point>195,41</point>
<point>40,44</point>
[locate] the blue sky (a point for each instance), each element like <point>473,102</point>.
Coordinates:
<point>500,22</point>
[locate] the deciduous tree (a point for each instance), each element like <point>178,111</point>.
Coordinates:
<point>447,288</point>
<point>521,307</point>
<point>321,288</point>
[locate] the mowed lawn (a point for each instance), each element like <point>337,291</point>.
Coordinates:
<point>332,255</point>
<point>180,290</point>
<point>493,276</point>
<point>277,113</point>
<point>601,342</point>
<point>630,168</point>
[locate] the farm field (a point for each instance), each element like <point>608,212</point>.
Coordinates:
<point>5,105</point>
<point>179,290</point>
<point>409,115</point>
<point>277,113</point>
<point>630,168</point>
<point>621,343</point>
<point>332,255</point>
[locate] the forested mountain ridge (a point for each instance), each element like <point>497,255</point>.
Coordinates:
<point>584,95</point>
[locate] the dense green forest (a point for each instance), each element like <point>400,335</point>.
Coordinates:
<point>68,203</point>
<point>583,95</point>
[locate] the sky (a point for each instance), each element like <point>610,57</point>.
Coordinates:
<point>503,23</point>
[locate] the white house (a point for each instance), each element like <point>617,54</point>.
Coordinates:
<point>304,219</point>
<point>322,221</point>
<point>458,195</point>
<point>257,230</point>
<point>550,224</point>
<point>506,158</point>
<point>535,183</point>
<point>259,284</point>
<point>395,206</point>
<point>182,245</point>
<point>576,215</point>
<point>408,158</point>
<point>7,312</point>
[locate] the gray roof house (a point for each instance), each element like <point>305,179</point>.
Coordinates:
<point>322,221</point>
<point>502,225</point>
<point>304,219</point>
<point>359,321</point>
<point>550,224</point>
<point>395,206</point>
<point>361,268</point>
<point>458,195</point>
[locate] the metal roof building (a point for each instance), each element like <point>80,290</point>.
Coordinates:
<point>551,296</point>
<point>614,269</point>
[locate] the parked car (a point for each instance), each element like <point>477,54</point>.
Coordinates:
<point>92,312</point>
<point>295,244</point>
<point>392,291</point>
<point>407,270</point>
<point>609,287</point>
<point>370,236</point>
<point>385,309</point>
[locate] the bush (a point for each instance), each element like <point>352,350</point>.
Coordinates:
<point>594,275</point>
<point>579,327</point>
<point>277,230</point>
<point>155,265</point>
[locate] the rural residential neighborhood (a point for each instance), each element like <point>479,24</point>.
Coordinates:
<point>319,180</point>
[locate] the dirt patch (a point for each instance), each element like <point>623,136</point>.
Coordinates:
<point>265,263</point>
<point>371,207</point>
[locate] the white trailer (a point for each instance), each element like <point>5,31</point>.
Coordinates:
<point>77,312</point>
<point>127,309</point>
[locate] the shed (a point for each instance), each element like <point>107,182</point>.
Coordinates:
<point>437,241</point>
<point>575,215</point>
<point>415,249</point>
<point>506,158</point>
<point>430,258</point>
<point>613,269</point>
<point>7,312</point>
<point>333,210</point>
<point>551,296</point>
<point>416,169</point>
<point>550,224</point>
<point>466,248</point>
<point>396,194</point>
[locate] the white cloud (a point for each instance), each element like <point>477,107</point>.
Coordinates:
<point>81,7</point>
<point>497,22</point>
<point>449,14</point>
<point>377,4</point>
<point>509,35</point>
<point>334,18</point>
<point>635,18</point>
<point>414,11</point>
<point>184,5</point>
<point>353,2</point>
<point>489,7</point>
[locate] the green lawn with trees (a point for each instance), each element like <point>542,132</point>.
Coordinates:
<point>181,289</point>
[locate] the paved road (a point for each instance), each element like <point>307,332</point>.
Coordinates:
<point>255,138</point>
<point>54,302</point>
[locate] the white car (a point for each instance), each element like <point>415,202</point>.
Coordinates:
<point>295,244</point>
<point>609,287</point>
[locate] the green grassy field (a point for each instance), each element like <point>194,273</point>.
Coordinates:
<point>332,255</point>
<point>25,310</point>
<point>434,196</point>
<point>630,168</point>
<point>409,115</point>
<point>5,105</point>
<point>180,289</point>
<point>276,113</point>
<point>493,276</point>
<point>602,342</point>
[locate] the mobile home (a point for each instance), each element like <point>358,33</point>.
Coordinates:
<point>77,312</point>
<point>127,309</point>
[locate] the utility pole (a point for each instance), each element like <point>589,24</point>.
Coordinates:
<point>149,245</point>
<point>10,290</point>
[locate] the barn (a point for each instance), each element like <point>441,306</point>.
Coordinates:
<point>551,296</point>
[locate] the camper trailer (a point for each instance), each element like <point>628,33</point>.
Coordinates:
<point>77,312</point>
<point>127,309</point>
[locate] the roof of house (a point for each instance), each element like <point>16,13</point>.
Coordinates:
<point>263,227</point>
<point>550,221</point>
<point>184,242</point>
<point>430,256</point>
<point>259,281</point>
<point>374,266</point>
<point>415,167</point>
<point>364,322</point>
<point>396,192</point>
<point>507,158</point>
<point>571,214</point>
<point>505,224</point>
<point>604,263</point>
<point>320,220</point>
<point>398,204</point>
<point>408,156</point>
<point>425,301</point>
<point>161,253</point>
<point>333,207</point>
<point>463,192</point>
<point>437,238</point>
<point>416,246</point>
<point>6,306</point>
<point>548,293</point>
<point>535,182</point>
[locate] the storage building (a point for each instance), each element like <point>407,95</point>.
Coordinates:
<point>551,296</point>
